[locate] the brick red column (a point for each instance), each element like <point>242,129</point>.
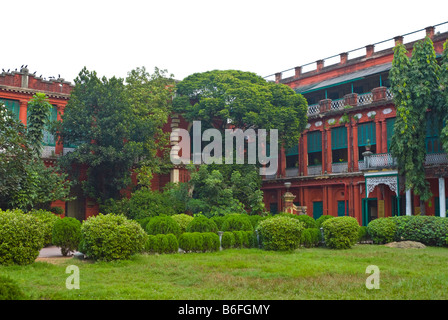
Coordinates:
<point>23,111</point>
<point>329,155</point>
<point>355,146</point>
<point>305,154</point>
<point>379,144</point>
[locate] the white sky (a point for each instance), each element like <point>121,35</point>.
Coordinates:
<point>113,37</point>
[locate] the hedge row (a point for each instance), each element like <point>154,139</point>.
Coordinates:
<point>429,230</point>
<point>199,242</point>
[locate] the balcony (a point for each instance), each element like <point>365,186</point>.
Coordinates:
<point>291,172</point>
<point>339,167</point>
<point>352,99</point>
<point>385,160</point>
<point>315,170</point>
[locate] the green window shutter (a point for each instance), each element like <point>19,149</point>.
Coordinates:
<point>366,131</point>
<point>294,151</point>
<point>432,141</point>
<point>339,138</point>
<point>390,131</point>
<point>318,209</point>
<point>314,141</point>
<point>13,106</point>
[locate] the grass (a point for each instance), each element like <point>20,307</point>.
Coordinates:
<point>246,274</point>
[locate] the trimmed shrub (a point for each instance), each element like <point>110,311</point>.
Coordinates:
<point>48,220</point>
<point>238,239</point>
<point>310,237</point>
<point>382,230</point>
<point>256,219</point>
<point>143,222</point>
<point>111,237</point>
<point>428,230</point>
<point>322,219</point>
<point>341,232</point>
<point>67,234</point>
<point>252,241</point>
<point>227,240</point>
<point>162,225</point>
<point>202,224</point>
<point>210,242</point>
<point>280,233</point>
<point>199,241</point>
<point>183,220</point>
<point>9,290</point>
<point>219,221</point>
<point>363,234</point>
<point>308,221</point>
<point>162,243</point>
<point>21,237</point>
<point>237,222</point>
<point>56,210</point>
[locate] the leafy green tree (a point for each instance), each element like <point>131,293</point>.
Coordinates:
<point>444,94</point>
<point>416,90</point>
<point>114,126</point>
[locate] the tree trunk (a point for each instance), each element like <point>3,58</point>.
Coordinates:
<point>422,208</point>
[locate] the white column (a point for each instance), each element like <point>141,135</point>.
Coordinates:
<point>408,203</point>
<point>442,202</point>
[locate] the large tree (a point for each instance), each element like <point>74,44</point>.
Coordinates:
<point>416,89</point>
<point>114,125</point>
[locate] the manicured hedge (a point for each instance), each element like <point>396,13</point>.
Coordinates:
<point>280,233</point>
<point>310,237</point>
<point>227,240</point>
<point>199,241</point>
<point>162,225</point>
<point>183,220</point>
<point>67,234</point>
<point>162,243</point>
<point>21,237</point>
<point>382,230</point>
<point>237,222</point>
<point>111,237</point>
<point>202,224</point>
<point>322,219</point>
<point>48,220</point>
<point>341,232</point>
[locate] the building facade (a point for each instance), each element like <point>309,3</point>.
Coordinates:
<point>342,164</point>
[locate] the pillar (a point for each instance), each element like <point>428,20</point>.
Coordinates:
<point>355,147</point>
<point>23,111</point>
<point>408,203</point>
<point>442,197</point>
<point>304,155</point>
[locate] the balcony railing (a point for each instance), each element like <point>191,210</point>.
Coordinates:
<point>385,160</point>
<point>337,104</point>
<point>48,151</point>
<point>315,170</point>
<point>365,98</point>
<point>292,172</point>
<point>436,158</point>
<point>313,109</point>
<point>339,167</point>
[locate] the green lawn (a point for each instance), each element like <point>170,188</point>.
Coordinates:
<point>246,274</point>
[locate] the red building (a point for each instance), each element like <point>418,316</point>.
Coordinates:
<point>350,111</point>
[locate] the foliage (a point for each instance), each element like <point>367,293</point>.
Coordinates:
<point>280,233</point>
<point>48,220</point>
<point>111,237</point>
<point>21,237</point>
<point>310,237</point>
<point>38,113</point>
<point>321,220</point>
<point>416,89</point>
<point>248,100</point>
<point>341,232</point>
<point>199,241</point>
<point>67,234</point>
<point>182,220</point>
<point>382,230</point>
<point>308,221</point>
<point>237,222</point>
<point>162,225</point>
<point>428,230</point>
<point>363,234</point>
<point>201,223</point>
<point>162,243</point>
<point>10,290</point>
<point>227,240</point>
<point>109,123</point>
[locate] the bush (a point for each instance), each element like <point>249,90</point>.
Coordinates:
<point>210,242</point>
<point>321,220</point>
<point>199,242</point>
<point>428,230</point>
<point>382,230</point>
<point>341,232</point>
<point>227,240</point>
<point>237,222</point>
<point>111,237</point>
<point>67,234</point>
<point>56,210</point>
<point>219,221</point>
<point>162,243</point>
<point>162,225</point>
<point>183,220</point>
<point>9,290</point>
<point>280,233</point>
<point>308,221</point>
<point>21,237</point>
<point>256,219</point>
<point>252,239</point>
<point>310,237</point>
<point>202,224</point>
<point>48,220</point>
<point>363,234</point>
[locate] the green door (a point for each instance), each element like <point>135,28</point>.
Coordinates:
<point>341,209</point>
<point>437,206</point>
<point>318,209</point>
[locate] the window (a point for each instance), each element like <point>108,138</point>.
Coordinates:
<point>12,105</point>
<point>366,136</point>
<point>314,146</point>
<point>339,144</point>
<point>390,131</point>
<point>292,156</point>
<point>432,141</point>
